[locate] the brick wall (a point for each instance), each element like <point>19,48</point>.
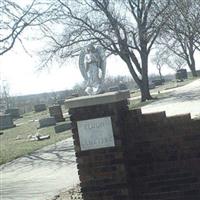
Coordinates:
<point>163,156</point>
<point>154,157</point>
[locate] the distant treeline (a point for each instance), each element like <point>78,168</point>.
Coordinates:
<point>26,103</point>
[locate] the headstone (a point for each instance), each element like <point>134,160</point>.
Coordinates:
<point>14,112</point>
<point>6,121</point>
<point>181,74</point>
<point>158,82</point>
<point>63,127</point>
<point>45,122</point>
<point>75,95</point>
<point>56,112</point>
<point>61,102</point>
<point>40,107</point>
<point>44,137</point>
<point>123,86</point>
<point>152,86</point>
<point>113,89</point>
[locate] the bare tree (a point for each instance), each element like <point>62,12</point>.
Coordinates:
<point>160,59</point>
<point>181,34</point>
<point>16,18</point>
<point>127,28</point>
<point>176,63</point>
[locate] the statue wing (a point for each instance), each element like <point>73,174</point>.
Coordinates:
<point>102,64</point>
<point>82,64</point>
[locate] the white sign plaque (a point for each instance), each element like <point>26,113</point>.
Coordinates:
<point>95,133</point>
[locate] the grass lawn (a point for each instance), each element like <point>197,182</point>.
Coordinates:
<point>11,148</point>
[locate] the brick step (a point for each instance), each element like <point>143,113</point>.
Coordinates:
<point>179,187</point>
<point>190,194</point>
<point>172,181</point>
<point>165,176</point>
<point>161,195</point>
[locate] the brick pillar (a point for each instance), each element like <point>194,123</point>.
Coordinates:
<point>97,123</point>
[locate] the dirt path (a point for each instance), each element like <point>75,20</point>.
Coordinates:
<point>182,100</point>
<point>41,175</point>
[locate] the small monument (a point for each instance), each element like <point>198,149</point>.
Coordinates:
<point>14,112</point>
<point>45,122</point>
<point>40,107</point>
<point>56,112</point>
<point>6,121</point>
<point>92,64</point>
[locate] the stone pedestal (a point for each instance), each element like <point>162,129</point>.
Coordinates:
<point>56,112</point>
<point>97,126</point>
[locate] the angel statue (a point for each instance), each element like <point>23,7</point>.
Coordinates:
<point>92,64</point>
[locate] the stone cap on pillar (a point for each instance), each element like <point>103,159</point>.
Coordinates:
<point>109,97</point>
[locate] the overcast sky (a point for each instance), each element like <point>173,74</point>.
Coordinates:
<point>19,70</point>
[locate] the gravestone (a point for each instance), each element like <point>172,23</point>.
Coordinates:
<point>158,82</point>
<point>40,107</point>
<point>63,127</point>
<point>6,121</point>
<point>56,112</point>
<point>113,89</point>
<point>61,102</point>
<point>14,112</point>
<point>181,74</point>
<point>123,86</point>
<point>45,122</point>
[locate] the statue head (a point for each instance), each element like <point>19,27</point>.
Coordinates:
<point>90,48</point>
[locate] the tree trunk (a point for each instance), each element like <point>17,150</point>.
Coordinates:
<point>160,74</point>
<point>192,64</point>
<point>193,67</point>
<point>145,93</point>
<point>144,87</point>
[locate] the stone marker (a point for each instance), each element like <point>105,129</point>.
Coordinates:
<point>63,127</point>
<point>61,102</point>
<point>14,112</point>
<point>56,112</point>
<point>181,74</point>
<point>123,86</point>
<point>49,121</point>
<point>40,107</point>
<point>44,137</point>
<point>6,121</point>
<point>113,89</point>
